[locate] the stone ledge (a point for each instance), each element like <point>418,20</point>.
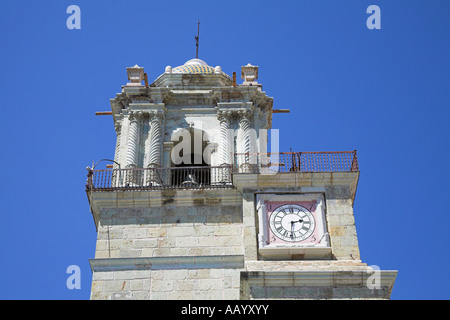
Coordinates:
<point>283,253</point>
<point>306,265</point>
<point>297,181</point>
<point>167,263</point>
<point>350,282</point>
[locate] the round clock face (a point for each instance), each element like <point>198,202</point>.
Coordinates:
<point>292,223</point>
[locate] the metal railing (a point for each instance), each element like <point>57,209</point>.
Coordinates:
<point>220,176</point>
<point>160,178</point>
<point>295,162</point>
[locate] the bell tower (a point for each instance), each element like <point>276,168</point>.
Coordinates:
<point>194,207</point>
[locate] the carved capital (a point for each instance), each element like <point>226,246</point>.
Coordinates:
<point>156,115</point>
<point>245,115</point>
<point>118,127</point>
<point>135,115</point>
<point>224,115</point>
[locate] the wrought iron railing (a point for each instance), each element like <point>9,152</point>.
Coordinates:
<point>220,176</point>
<point>295,162</point>
<point>160,178</point>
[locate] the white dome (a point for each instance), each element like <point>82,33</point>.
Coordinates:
<point>196,62</point>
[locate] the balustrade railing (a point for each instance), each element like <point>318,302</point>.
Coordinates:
<point>295,162</point>
<point>220,176</point>
<point>160,178</point>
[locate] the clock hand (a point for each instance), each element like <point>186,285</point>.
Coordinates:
<point>292,227</point>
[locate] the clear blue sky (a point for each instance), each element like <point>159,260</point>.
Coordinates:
<point>383,92</point>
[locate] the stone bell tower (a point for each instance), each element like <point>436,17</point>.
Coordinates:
<point>194,207</point>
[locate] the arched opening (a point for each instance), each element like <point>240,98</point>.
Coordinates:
<point>190,158</point>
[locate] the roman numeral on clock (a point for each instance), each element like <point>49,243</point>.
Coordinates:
<point>282,231</point>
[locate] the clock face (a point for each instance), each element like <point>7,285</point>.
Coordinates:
<point>292,226</point>
<point>292,223</point>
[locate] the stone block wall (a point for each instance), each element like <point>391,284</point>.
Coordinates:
<point>180,284</point>
<point>201,250</point>
<point>154,252</point>
<point>341,224</point>
<point>169,231</point>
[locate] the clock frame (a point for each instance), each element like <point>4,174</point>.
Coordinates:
<point>292,226</point>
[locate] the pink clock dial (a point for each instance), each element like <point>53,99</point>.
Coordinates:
<point>291,222</point>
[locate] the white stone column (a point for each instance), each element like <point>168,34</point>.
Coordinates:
<point>117,174</point>
<point>224,139</point>
<point>225,158</point>
<point>118,127</point>
<point>133,147</point>
<point>155,139</point>
<point>155,145</point>
<point>133,139</point>
<point>247,160</point>
<point>245,118</point>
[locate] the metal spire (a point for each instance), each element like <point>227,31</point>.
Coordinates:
<point>196,38</point>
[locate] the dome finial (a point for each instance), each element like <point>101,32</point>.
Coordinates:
<point>197,37</point>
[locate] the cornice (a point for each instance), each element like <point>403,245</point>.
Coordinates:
<point>319,277</point>
<point>167,263</point>
<point>295,181</point>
